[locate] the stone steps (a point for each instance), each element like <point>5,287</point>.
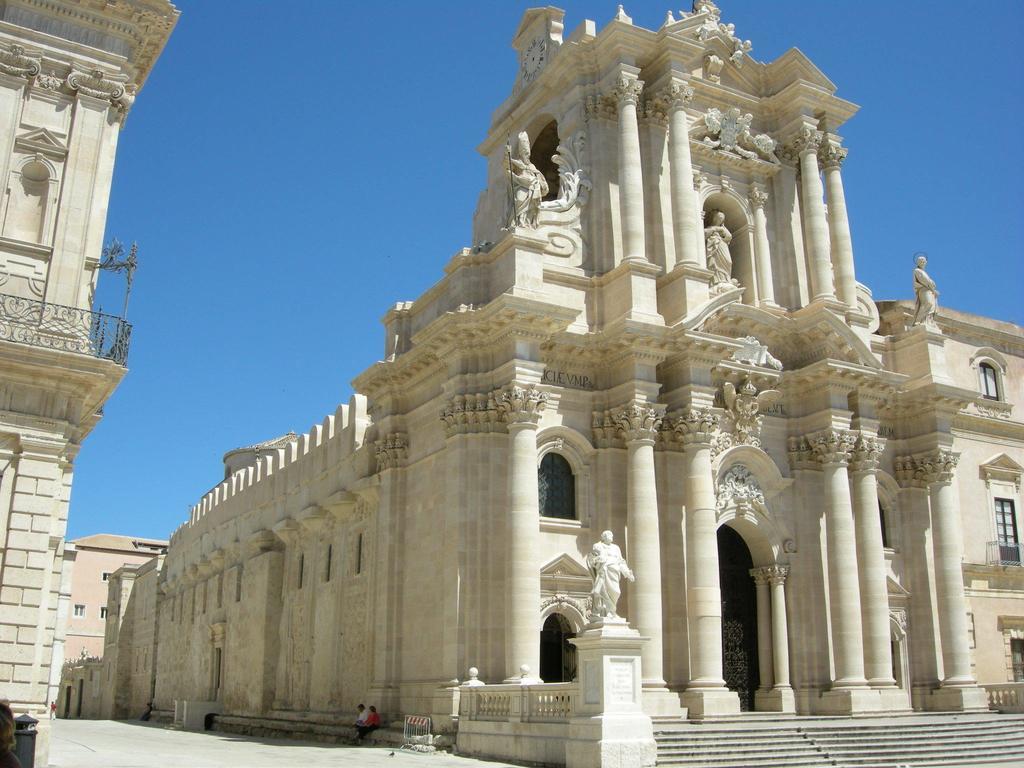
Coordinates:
<point>918,740</point>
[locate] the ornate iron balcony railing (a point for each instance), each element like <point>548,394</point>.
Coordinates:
<point>1005,553</point>
<point>68,329</point>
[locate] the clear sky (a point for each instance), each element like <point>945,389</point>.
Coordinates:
<point>290,170</point>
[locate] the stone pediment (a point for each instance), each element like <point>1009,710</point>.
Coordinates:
<point>1001,468</point>
<point>42,140</point>
<point>798,340</point>
<point>565,566</point>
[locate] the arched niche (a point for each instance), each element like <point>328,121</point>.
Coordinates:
<point>543,147</point>
<point>740,224</point>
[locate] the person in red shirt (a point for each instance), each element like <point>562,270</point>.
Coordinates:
<point>370,724</point>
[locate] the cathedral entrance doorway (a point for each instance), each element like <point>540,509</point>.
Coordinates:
<point>739,616</point>
<point>557,654</point>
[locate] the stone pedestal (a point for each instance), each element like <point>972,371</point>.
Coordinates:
<point>775,700</point>
<point>609,727</point>
<point>957,699</point>
<point>850,701</point>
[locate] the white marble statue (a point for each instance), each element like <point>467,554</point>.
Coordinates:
<point>607,567</point>
<point>528,184</point>
<point>925,293</point>
<point>753,352</point>
<point>717,238</point>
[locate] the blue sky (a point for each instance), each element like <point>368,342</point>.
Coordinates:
<point>292,169</point>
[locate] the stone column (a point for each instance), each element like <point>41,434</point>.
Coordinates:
<point>685,217</point>
<point>874,590</point>
<point>521,408</point>
<point>639,424</point>
<point>938,468</point>
<point>762,251</point>
<point>706,693</point>
<point>764,628</point>
<point>832,157</point>
<point>631,185</point>
<point>813,205</point>
<point>780,625</point>
<point>833,448</point>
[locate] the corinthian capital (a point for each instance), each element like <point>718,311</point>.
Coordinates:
<point>695,426</point>
<point>833,446</point>
<point>677,95</point>
<point>627,90</point>
<point>757,197</point>
<point>522,405</point>
<point>866,451</point>
<point>637,421</point>
<point>806,141</point>
<point>832,155</point>
<point>391,451</point>
<point>938,466</point>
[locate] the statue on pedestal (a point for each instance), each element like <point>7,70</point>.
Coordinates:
<point>528,185</point>
<point>607,567</point>
<point>925,293</point>
<point>717,238</point>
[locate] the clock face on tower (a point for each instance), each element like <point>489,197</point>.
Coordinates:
<point>533,58</point>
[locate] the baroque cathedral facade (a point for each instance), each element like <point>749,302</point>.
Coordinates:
<point>659,332</point>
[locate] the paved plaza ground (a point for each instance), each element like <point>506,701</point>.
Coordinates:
<point>111,744</point>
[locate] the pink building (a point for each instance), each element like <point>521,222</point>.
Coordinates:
<point>96,557</point>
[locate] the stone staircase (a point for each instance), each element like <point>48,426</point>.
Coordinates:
<point>892,742</point>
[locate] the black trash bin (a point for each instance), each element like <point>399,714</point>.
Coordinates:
<point>25,740</point>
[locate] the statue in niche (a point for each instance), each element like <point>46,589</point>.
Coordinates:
<point>717,238</point>
<point>528,185</point>
<point>926,295</point>
<point>607,567</point>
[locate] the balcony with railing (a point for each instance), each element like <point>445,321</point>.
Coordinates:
<point>1005,553</point>
<point>66,329</point>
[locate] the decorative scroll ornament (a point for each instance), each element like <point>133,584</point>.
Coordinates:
<point>745,405</point>
<point>713,67</point>
<point>738,487</point>
<point>753,352</point>
<point>391,451</point>
<point>98,85</point>
<point>14,62</point>
<point>574,183</point>
<point>733,131</point>
<point>584,605</point>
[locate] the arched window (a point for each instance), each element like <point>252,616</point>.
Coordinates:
<point>542,154</point>
<point>557,487</point>
<point>989,382</point>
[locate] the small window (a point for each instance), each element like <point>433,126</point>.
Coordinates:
<point>989,383</point>
<point>881,521</point>
<point>106,576</point>
<point>103,612</point>
<point>359,553</point>
<point>302,569</point>
<point>79,611</point>
<point>556,486</point>
<point>327,564</point>
<point>1006,522</point>
<point>1017,659</point>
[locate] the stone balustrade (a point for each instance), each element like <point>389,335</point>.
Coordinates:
<point>540,703</point>
<point>1006,697</point>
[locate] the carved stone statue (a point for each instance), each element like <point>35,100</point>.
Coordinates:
<point>717,238</point>
<point>729,131</point>
<point>753,352</point>
<point>745,405</point>
<point>607,567</point>
<point>925,293</point>
<point>528,184</point>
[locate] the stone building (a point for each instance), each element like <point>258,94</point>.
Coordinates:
<point>658,332</point>
<point>95,559</point>
<point>69,72</point>
<point>117,682</point>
